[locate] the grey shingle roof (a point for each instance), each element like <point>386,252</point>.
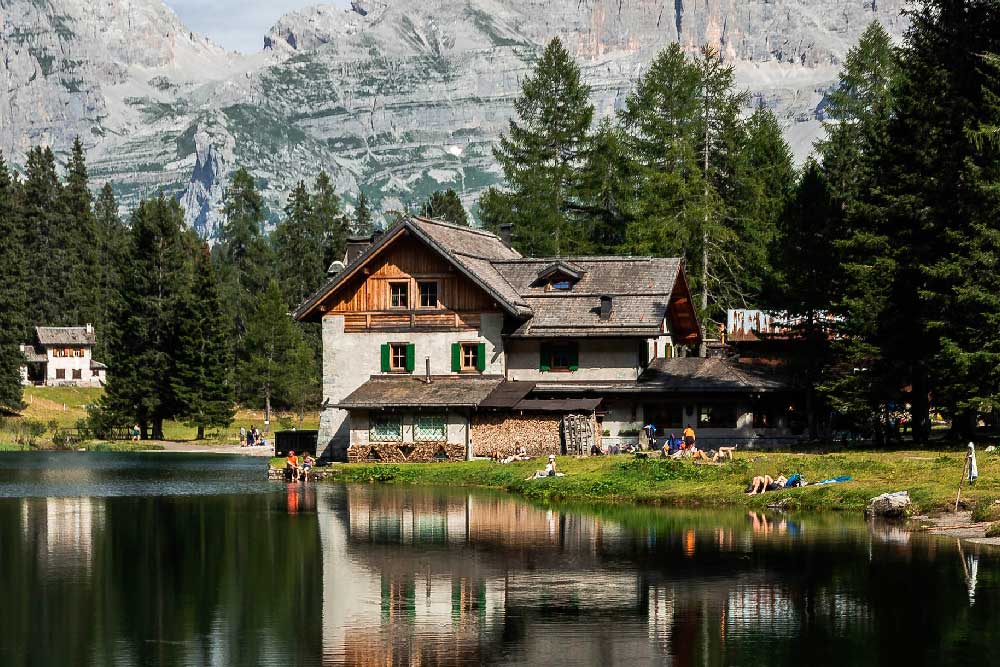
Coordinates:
<point>34,356</point>
<point>49,336</point>
<point>388,391</point>
<point>470,250</point>
<point>640,288</point>
<point>700,375</point>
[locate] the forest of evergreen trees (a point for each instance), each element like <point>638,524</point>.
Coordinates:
<point>891,228</point>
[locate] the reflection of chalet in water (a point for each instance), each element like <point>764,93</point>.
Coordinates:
<point>442,342</point>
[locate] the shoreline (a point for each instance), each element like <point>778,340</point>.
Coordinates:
<point>931,478</point>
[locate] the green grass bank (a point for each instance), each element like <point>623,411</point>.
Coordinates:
<point>931,477</point>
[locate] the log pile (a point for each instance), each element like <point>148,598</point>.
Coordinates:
<point>504,434</point>
<point>405,452</point>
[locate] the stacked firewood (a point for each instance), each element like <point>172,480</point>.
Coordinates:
<point>503,435</point>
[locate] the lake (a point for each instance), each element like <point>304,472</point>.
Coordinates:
<point>169,559</point>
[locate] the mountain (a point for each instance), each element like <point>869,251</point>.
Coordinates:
<point>395,97</point>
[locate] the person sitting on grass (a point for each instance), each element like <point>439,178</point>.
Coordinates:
<point>763,483</point>
<point>595,450</point>
<point>696,453</point>
<point>292,464</point>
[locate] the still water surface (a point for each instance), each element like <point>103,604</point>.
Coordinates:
<point>174,560</point>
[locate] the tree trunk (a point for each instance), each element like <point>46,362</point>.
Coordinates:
<point>201,432</point>
<point>920,407</point>
<point>158,428</point>
<point>703,348</point>
<point>267,411</point>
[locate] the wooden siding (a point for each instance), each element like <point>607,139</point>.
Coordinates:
<point>364,300</point>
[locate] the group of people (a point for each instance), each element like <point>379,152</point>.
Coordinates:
<point>252,437</point>
<point>520,455</point>
<point>687,447</point>
<point>299,470</point>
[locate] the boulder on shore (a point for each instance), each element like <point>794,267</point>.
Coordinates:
<point>889,505</point>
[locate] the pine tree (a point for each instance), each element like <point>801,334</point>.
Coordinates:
<point>112,243</point>
<point>279,359</point>
<point>606,189</point>
<point>156,281</point>
<point>364,223</point>
<point>298,254</point>
<point>46,250</point>
<point>79,233</point>
<point>330,225</point>
<point>244,266</point>
<point>923,206</point>
<point>445,206</point>
<point>542,152</point>
<point>202,379</point>
<point>764,181</point>
<point>13,294</point>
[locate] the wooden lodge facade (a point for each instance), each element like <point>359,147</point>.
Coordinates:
<point>442,343</point>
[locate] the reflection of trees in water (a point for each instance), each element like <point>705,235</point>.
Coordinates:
<point>695,587</point>
<point>179,580</point>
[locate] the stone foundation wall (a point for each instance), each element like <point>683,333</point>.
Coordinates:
<point>539,434</point>
<point>405,452</point>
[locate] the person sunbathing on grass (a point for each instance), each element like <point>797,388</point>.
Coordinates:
<point>763,483</point>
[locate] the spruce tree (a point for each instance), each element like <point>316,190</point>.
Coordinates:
<point>46,249</point>
<point>298,254</point>
<point>330,226</point>
<point>445,206</point>
<point>81,251</point>
<point>155,283</point>
<point>244,261</point>
<point>278,358</point>
<point>13,294</point>
<point>542,152</point>
<point>112,243</point>
<point>606,189</point>
<point>202,377</point>
<point>364,223</point>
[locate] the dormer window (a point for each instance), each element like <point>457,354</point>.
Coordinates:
<point>560,275</point>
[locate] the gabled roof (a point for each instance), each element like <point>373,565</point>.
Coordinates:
<point>471,251</point>
<point>34,356</point>
<point>49,336</point>
<point>561,267</point>
<point>640,288</point>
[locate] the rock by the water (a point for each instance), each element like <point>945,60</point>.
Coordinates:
<point>889,505</point>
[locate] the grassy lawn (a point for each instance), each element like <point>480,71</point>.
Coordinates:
<point>931,478</point>
<point>63,407</point>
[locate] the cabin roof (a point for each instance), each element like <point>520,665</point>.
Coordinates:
<point>51,336</point>
<point>390,391</point>
<point>710,375</point>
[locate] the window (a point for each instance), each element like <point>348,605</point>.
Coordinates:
<point>386,428</point>
<point>428,294</point>
<point>60,373</point>
<point>398,358</point>
<point>468,357</point>
<point>560,356</point>
<point>399,295</point>
<point>665,417</point>
<point>561,284</point>
<point>717,416</point>
<point>78,353</point>
<point>77,374</point>
<point>430,428</point>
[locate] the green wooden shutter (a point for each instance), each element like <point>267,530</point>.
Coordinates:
<point>385,358</point>
<point>411,357</point>
<point>481,358</point>
<point>456,357</point>
<point>544,357</point>
<point>574,357</point>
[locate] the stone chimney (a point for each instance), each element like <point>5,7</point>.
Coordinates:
<point>90,328</point>
<point>507,234</point>
<point>606,304</point>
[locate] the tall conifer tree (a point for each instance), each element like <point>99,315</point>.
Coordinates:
<point>202,379</point>
<point>46,250</point>
<point>541,155</point>
<point>112,242</point>
<point>79,234</point>
<point>445,205</point>
<point>13,294</point>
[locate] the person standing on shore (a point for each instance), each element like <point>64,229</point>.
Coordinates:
<point>243,436</point>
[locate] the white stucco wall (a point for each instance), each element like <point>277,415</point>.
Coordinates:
<point>350,359</point>
<point>88,377</point>
<point>600,359</point>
